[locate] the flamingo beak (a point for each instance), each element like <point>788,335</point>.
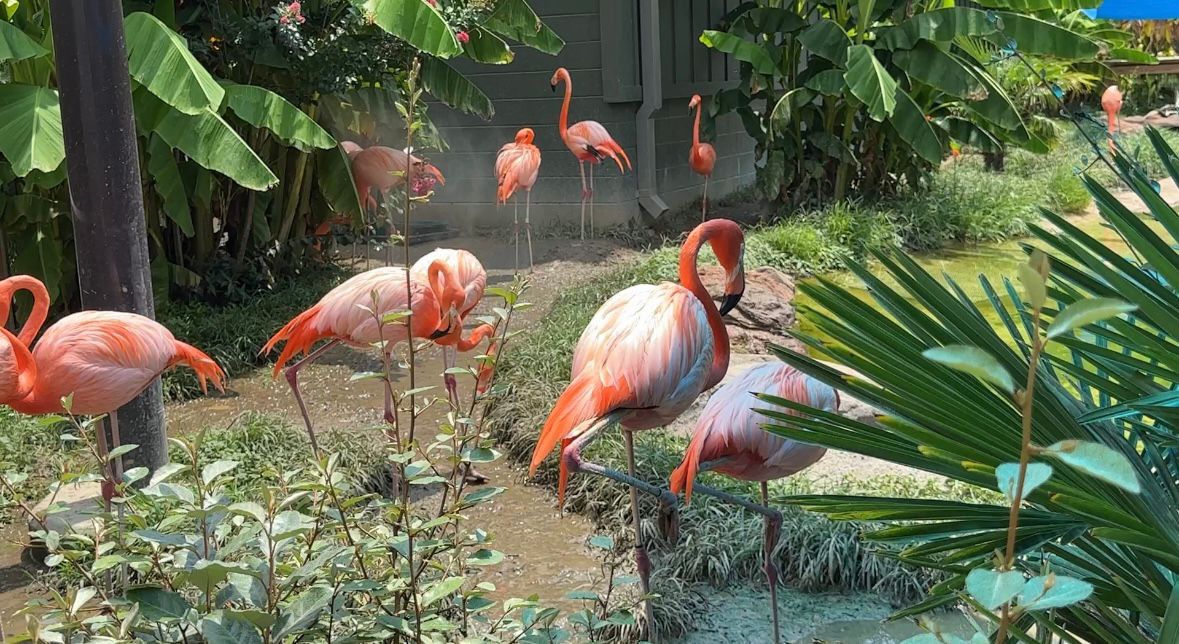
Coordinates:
<point>730,302</point>
<point>440,333</point>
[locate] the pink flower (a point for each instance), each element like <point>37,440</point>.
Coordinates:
<point>463,37</point>
<point>422,185</point>
<point>433,3</point>
<point>282,20</point>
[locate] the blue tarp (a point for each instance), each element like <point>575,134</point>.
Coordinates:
<point>1136,10</point>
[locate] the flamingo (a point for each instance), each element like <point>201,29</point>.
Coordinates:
<point>646,355</point>
<point>101,359</point>
<point>517,166</point>
<point>354,312</point>
<point>729,439</point>
<point>1111,102</point>
<point>702,157</point>
<point>473,279</point>
<point>589,142</point>
<point>385,168</point>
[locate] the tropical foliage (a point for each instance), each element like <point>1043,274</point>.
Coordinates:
<point>867,96</point>
<point>1107,379</point>
<point>238,108</point>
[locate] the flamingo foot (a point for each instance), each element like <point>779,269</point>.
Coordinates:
<point>472,476</point>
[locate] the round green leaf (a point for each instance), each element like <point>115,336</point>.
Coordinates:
<point>1007,476</point>
<point>992,588</point>
<point>1085,312</point>
<point>1053,591</point>
<point>1097,461</point>
<point>975,362</point>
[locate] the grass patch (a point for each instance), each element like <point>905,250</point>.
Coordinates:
<point>233,334</point>
<point>34,449</point>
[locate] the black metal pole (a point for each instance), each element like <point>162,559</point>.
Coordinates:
<point>106,197</point>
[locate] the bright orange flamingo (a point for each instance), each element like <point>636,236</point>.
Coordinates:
<point>589,142</point>
<point>646,355</point>
<point>354,313</point>
<point>702,157</point>
<point>729,439</point>
<point>1111,102</point>
<point>517,166</point>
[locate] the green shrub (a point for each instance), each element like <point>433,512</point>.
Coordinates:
<point>1066,193</point>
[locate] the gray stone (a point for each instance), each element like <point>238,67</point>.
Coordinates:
<point>82,504</point>
<point>766,310</point>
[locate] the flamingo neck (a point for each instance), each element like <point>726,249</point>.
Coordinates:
<point>40,312</point>
<point>690,279</point>
<point>696,128</point>
<point>463,345</point>
<point>563,125</point>
<point>37,402</point>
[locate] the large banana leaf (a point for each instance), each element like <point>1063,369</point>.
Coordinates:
<point>740,49</point>
<point>969,134</point>
<point>158,58</point>
<point>16,45</point>
<point>1039,38</point>
<point>997,107</point>
<point>337,185</point>
<point>452,88</point>
<point>929,64</point>
<point>165,174</point>
<point>39,253</point>
<point>416,22</point>
<point>827,39</point>
<point>486,47</point>
<point>516,20</point>
<point>767,20</point>
<point>1040,5</point>
<point>939,25</point>
<point>30,128</point>
<point>912,126</point>
<point>868,81</point>
<point>206,138</point>
<point>263,108</point>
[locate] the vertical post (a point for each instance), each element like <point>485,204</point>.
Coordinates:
<point>106,197</point>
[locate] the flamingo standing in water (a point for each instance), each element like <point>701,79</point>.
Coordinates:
<point>354,311</point>
<point>472,278</point>
<point>729,439</point>
<point>102,359</point>
<point>702,157</point>
<point>589,142</point>
<point>1111,102</point>
<point>646,355</point>
<point>517,166</point>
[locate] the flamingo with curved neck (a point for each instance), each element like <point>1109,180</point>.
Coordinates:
<point>353,313</point>
<point>18,369</point>
<point>644,358</point>
<point>589,142</point>
<point>702,157</point>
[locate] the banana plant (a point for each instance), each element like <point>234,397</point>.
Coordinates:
<point>866,95</point>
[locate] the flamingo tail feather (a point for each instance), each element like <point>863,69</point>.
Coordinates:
<point>207,370</point>
<point>300,334</point>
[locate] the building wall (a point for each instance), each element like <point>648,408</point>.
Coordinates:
<point>601,54</point>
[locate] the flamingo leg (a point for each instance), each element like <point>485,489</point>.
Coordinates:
<point>591,198</point>
<point>642,561</point>
<point>704,201</point>
<point>773,521</point>
<point>516,231</point>
<point>528,225</point>
<point>292,374</point>
<point>584,195</point>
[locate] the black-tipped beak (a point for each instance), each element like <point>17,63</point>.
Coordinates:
<point>554,88</point>
<point>439,334</point>
<point>730,302</point>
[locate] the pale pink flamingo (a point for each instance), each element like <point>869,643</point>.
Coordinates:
<point>589,142</point>
<point>384,169</point>
<point>473,279</point>
<point>354,313</point>
<point>517,166</point>
<point>729,439</point>
<point>646,355</point>
<point>702,157</point>
<point>1111,102</point>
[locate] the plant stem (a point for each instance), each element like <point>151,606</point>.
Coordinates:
<point>1025,455</point>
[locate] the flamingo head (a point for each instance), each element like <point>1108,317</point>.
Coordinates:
<point>692,104</point>
<point>728,243</point>
<point>525,136</point>
<point>561,74</point>
<point>821,396</point>
<point>449,294</point>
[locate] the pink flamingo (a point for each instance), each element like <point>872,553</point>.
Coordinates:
<point>589,142</point>
<point>1111,102</point>
<point>384,169</point>
<point>517,166</point>
<point>646,355</point>
<point>702,157</point>
<point>729,439</point>
<point>354,313</point>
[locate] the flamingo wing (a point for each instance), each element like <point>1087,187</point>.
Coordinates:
<point>703,159</point>
<point>592,137</point>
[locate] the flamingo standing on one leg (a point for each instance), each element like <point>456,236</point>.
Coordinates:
<point>646,355</point>
<point>702,157</point>
<point>1111,102</point>
<point>589,142</point>
<point>729,439</point>
<point>517,166</point>
<point>353,313</point>
<point>102,359</point>
<point>473,279</point>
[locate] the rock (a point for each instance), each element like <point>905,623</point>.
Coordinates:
<point>78,506</point>
<point>766,310</point>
